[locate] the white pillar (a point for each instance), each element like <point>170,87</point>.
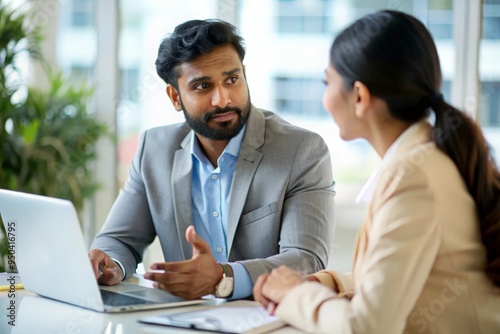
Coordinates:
<point>107,97</point>
<point>46,18</point>
<point>467,35</point>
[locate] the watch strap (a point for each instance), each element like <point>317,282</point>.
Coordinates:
<point>226,271</point>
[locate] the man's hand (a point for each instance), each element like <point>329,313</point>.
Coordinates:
<point>189,279</point>
<point>106,271</point>
<point>270,289</point>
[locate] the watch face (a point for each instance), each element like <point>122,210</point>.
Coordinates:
<point>225,287</point>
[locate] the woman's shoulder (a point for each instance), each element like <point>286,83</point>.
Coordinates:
<point>424,158</point>
<point>425,165</point>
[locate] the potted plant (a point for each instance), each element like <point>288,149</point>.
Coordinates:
<point>47,138</point>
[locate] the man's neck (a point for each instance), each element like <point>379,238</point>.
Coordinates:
<point>212,148</point>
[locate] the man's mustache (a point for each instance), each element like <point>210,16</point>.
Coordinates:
<point>218,111</point>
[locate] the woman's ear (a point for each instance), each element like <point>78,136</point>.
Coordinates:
<point>363,99</point>
<point>174,96</point>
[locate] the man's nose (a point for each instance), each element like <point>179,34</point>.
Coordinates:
<point>220,97</point>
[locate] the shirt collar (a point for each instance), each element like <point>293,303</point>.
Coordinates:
<point>366,193</point>
<point>232,147</point>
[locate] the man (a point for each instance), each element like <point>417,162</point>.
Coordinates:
<point>231,193</point>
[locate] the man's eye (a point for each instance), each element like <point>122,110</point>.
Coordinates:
<point>233,80</point>
<point>201,86</point>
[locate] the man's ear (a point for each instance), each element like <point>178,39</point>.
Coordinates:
<point>363,99</point>
<point>174,96</point>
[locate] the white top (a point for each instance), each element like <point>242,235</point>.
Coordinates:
<point>365,195</point>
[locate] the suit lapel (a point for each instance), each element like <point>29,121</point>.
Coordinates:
<point>248,161</point>
<point>181,186</point>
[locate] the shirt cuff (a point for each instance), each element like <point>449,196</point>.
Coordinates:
<point>121,267</point>
<point>243,285</point>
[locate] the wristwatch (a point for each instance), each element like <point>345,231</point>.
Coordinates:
<point>225,287</point>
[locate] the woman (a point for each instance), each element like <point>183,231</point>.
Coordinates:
<point>427,258</point>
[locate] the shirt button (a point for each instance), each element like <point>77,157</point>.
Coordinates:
<point>219,249</point>
<point>215,214</point>
<point>214,177</point>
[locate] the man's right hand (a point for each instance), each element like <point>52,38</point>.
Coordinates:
<point>106,270</point>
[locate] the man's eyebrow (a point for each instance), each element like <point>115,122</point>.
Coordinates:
<point>207,78</point>
<point>236,70</point>
<point>198,79</point>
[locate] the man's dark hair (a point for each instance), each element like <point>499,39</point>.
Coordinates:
<point>192,39</point>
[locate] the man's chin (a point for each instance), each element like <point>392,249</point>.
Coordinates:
<point>225,131</point>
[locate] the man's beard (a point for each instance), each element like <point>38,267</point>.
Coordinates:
<point>225,130</point>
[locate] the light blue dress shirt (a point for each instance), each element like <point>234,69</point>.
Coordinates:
<point>210,194</point>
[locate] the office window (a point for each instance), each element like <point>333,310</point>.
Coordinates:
<point>76,41</point>
<point>300,97</point>
<point>489,71</point>
<point>129,81</point>
<point>491,20</point>
<point>80,74</point>
<point>82,13</point>
<point>489,76</point>
<point>303,17</point>
<point>489,104</point>
<point>491,27</point>
<point>440,23</point>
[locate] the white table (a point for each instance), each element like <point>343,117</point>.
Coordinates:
<point>35,314</point>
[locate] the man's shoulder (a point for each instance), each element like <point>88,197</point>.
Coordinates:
<point>277,123</point>
<point>172,131</point>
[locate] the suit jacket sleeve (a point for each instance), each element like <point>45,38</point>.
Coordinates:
<point>402,245</point>
<point>128,229</point>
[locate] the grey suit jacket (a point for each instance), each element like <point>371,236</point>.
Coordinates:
<point>281,200</point>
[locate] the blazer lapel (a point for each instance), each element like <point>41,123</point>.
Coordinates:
<point>181,192</point>
<point>248,161</point>
<point>420,134</point>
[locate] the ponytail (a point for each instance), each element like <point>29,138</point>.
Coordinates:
<point>457,135</point>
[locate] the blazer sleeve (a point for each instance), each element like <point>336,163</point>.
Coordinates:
<point>129,228</point>
<point>307,224</point>
<point>339,282</point>
<point>402,246</point>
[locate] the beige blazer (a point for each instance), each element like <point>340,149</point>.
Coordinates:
<point>419,261</point>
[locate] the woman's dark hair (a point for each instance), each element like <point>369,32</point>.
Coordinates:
<point>394,55</point>
<point>192,39</point>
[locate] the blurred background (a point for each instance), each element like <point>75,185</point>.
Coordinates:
<point>111,45</point>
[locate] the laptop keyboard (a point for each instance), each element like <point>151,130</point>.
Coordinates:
<point>117,299</point>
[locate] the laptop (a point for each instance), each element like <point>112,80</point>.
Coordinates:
<point>53,261</point>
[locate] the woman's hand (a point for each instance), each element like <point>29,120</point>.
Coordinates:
<point>270,289</point>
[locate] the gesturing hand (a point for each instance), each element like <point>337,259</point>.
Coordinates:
<point>189,279</point>
<point>270,289</point>
<point>106,270</point>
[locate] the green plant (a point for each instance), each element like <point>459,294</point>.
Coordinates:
<point>47,138</point>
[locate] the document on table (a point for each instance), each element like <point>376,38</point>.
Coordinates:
<point>236,317</point>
